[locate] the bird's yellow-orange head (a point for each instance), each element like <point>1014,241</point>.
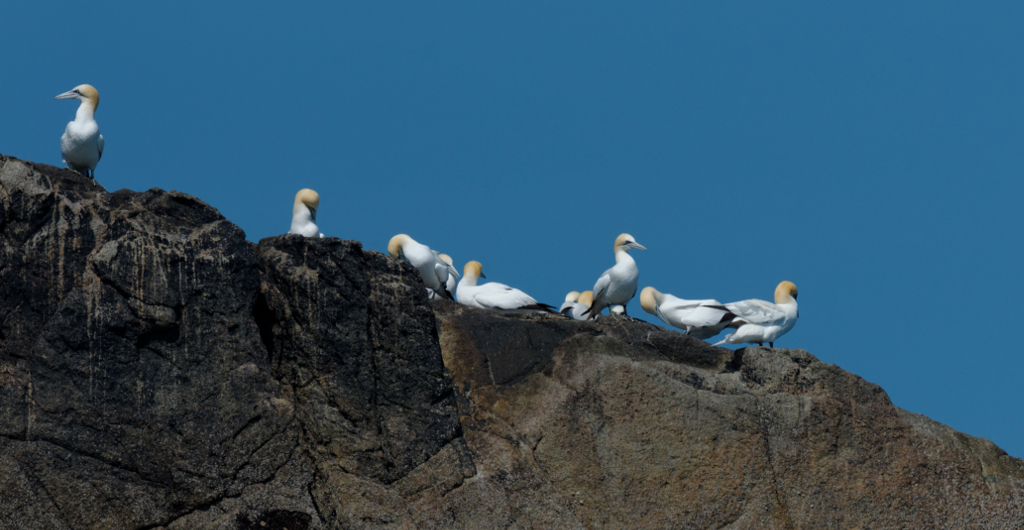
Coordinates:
<point>649,300</point>
<point>785,292</point>
<point>395,245</point>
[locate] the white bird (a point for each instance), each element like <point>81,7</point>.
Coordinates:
<point>701,319</point>
<point>493,295</point>
<point>759,321</point>
<point>304,213</point>
<point>569,303</point>
<point>433,270</point>
<point>582,305</point>
<point>618,284</point>
<point>450,285</point>
<point>617,310</point>
<point>81,146</point>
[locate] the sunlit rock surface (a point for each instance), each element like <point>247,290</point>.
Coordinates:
<point>159,371</point>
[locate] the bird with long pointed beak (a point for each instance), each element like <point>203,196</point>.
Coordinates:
<point>433,270</point>
<point>701,319</point>
<point>493,295</point>
<point>759,321</point>
<point>618,284</point>
<point>81,146</point>
<point>304,213</point>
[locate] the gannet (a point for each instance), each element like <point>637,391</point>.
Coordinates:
<point>618,284</point>
<point>81,146</point>
<point>450,285</point>
<point>701,319</point>
<point>304,213</point>
<point>759,321</point>
<point>582,305</point>
<point>493,295</point>
<point>569,303</point>
<point>432,269</point>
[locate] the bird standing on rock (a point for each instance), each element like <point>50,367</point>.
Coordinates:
<point>433,270</point>
<point>304,213</point>
<point>618,284</point>
<point>81,146</point>
<point>759,321</point>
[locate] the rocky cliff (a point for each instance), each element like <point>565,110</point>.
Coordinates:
<point>159,371</point>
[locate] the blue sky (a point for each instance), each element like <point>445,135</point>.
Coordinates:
<point>869,152</point>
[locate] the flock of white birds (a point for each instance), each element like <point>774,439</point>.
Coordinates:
<point>754,321</point>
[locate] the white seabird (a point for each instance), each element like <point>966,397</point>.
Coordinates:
<point>450,285</point>
<point>81,146</point>
<point>618,284</point>
<point>493,295</point>
<point>304,213</point>
<point>701,319</point>
<point>569,303</point>
<point>433,270</point>
<point>759,321</point>
<point>582,305</point>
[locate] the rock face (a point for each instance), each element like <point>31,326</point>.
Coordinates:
<point>159,371</point>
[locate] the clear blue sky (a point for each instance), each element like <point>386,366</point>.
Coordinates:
<point>870,152</point>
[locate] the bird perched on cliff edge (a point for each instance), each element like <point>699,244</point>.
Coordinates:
<point>618,284</point>
<point>759,321</point>
<point>701,319</point>
<point>433,270</point>
<point>304,213</point>
<point>494,295</point>
<point>81,146</point>
<point>450,285</point>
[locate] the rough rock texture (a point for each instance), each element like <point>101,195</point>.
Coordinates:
<point>614,424</point>
<point>159,371</point>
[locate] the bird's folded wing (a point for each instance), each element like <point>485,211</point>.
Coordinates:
<point>501,296</point>
<point>755,311</point>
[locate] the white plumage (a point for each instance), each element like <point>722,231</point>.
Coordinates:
<point>582,305</point>
<point>570,301</point>
<point>759,321</point>
<point>451,285</point>
<point>81,145</point>
<point>493,295</point>
<point>304,213</point>
<point>432,269</point>
<point>618,284</point>
<point>701,319</point>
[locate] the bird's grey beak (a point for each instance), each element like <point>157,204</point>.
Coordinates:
<point>482,275</point>
<point>312,213</point>
<point>70,94</point>
<point>636,245</point>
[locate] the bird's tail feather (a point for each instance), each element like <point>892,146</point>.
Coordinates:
<point>540,307</point>
<point>723,341</point>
